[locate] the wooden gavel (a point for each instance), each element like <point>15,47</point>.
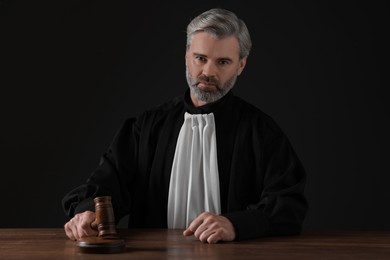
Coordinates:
<point>104,221</point>
<point>107,240</point>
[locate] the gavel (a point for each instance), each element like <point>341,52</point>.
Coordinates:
<point>104,221</point>
<point>107,240</point>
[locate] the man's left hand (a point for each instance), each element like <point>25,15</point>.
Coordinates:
<point>211,228</point>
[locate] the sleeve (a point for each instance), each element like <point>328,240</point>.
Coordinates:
<point>112,177</point>
<point>282,206</point>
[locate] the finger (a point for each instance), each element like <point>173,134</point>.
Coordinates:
<point>80,232</point>
<point>68,231</point>
<point>215,229</point>
<point>81,224</point>
<point>82,229</point>
<point>203,237</point>
<point>73,225</point>
<point>195,224</point>
<point>202,229</point>
<point>205,233</point>
<point>188,232</point>
<point>192,227</point>
<point>74,230</point>
<point>87,229</point>
<point>199,220</point>
<point>213,238</point>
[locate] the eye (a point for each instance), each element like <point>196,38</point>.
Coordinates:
<point>200,58</point>
<point>224,62</point>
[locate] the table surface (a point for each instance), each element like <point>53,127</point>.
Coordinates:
<point>49,243</point>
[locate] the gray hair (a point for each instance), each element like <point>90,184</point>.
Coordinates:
<point>221,23</point>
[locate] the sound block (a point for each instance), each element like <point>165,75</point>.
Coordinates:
<point>101,245</point>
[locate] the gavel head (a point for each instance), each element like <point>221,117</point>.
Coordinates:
<point>104,222</point>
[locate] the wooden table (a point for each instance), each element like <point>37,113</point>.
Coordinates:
<point>170,244</point>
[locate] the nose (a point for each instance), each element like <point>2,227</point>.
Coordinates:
<point>209,69</point>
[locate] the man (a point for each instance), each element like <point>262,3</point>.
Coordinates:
<point>208,162</point>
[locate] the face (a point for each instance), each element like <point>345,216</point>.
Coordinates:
<point>212,67</point>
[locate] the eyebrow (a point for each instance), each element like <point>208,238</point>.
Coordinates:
<point>202,55</point>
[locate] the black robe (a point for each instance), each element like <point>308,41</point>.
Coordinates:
<point>261,178</point>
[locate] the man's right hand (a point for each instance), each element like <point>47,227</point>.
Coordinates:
<point>80,225</point>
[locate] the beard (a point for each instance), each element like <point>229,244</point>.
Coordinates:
<point>209,96</point>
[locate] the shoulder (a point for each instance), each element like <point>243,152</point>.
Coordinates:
<point>158,114</point>
<point>253,122</point>
<point>166,107</point>
<point>253,115</point>
<point>149,119</point>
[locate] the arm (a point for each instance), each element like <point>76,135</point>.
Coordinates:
<point>112,177</point>
<point>281,207</point>
<point>280,211</point>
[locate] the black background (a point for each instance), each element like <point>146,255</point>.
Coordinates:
<point>72,71</point>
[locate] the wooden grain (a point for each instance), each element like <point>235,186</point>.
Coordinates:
<point>170,244</point>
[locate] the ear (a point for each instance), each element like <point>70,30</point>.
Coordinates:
<point>241,65</point>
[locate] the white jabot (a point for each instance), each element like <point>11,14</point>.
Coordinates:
<point>194,184</point>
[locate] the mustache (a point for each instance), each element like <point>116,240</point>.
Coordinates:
<point>206,79</point>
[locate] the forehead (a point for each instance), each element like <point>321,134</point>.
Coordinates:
<point>209,45</point>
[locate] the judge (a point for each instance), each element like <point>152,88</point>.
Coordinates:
<point>207,162</point>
